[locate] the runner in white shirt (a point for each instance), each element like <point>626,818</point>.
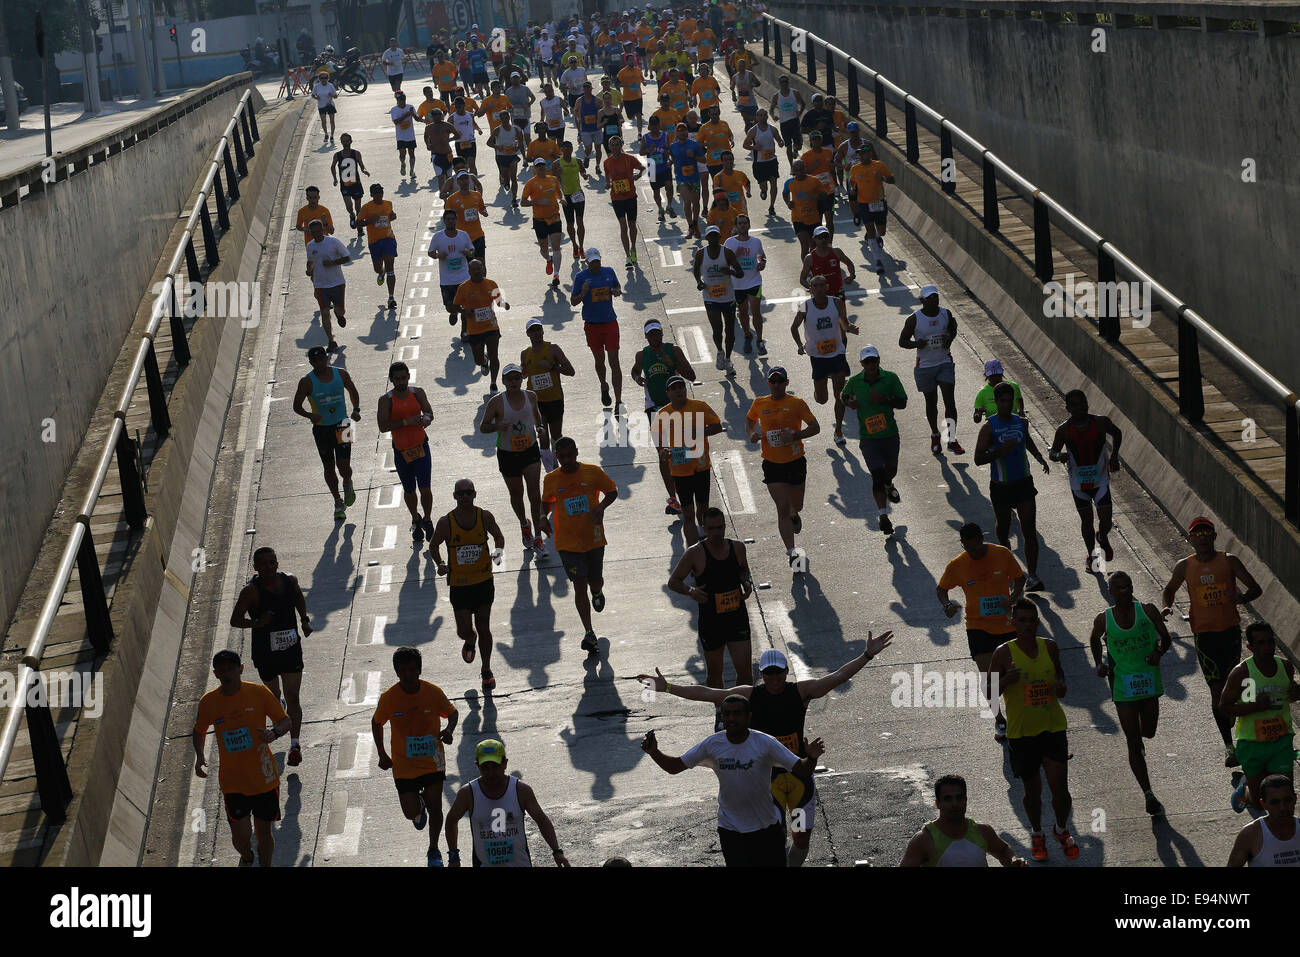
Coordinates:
<point>826,327</point>
<point>325,92</point>
<point>325,258</point>
<point>553,110</point>
<point>392,58</point>
<point>453,249</point>
<point>545,51</point>
<point>404,119</point>
<point>466,130</point>
<point>750,829</point>
<point>571,81</point>
<point>749,287</point>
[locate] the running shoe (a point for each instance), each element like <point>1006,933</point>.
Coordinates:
<point>797,523</point>
<point>489,681</point>
<point>1039,849</point>
<point>514,203</point>
<point>840,440</point>
<point>1033,583</point>
<point>880,268</point>
<point>1068,847</point>
<point>955,448</point>
<point>749,343</point>
<point>434,857</point>
<point>886,526</point>
<point>892,493</point>
<point>1154,807</point>
<point>762,347</point>
<point>719,362</point>
<point>403,169</point>
<point>673,507</point>
<point>452,320</point>
<point>427,523</point>
<point>352,222</point>
<point>1230,757</point>
<point>661,215</point>
<point>539,543</point>
<point>379,279</point>
<point>589,644</point>
<point>350,498</point>
<point>550,267</point>
<point>555,281</point>
<point>598,601</point>
<point>468,651</point>
<point>340,511</point>
<point>630,261</point>
<point>392,303</point>
<point>246,861</point>
<point>527,529</point>
<point>730,367</point>
<point>935,445</point>
<point>295,757</point>
<point>631,257</point>
<point>605,398</point>
<point>423,818</point>
<point>417,532</point>
<point>577,253</point>
<point>1000,728</point>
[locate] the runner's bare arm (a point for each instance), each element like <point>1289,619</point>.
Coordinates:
<point>999,849</point>
<point>983,453</point>
<point>1094,642</point>
<point>239,617</point>
<point>1247,845</point>
<point>493,529</point>
<point>1157,622</point>
<point>491,415</point>
<point>814,427</point>
<point>462,805</point>
<point>299,397</point>
<point>684,367</point>
<point>300,603</point>
<point>353,394</point>
<point>441,532</point>
<point>1230,702</point>
<point>1054,651</point>
<point>919,849</point>
<point>1171,589</point>
<point>688,564</point>
<point>1253,590</point>
<point>670,763</point>
<point>907,338</point>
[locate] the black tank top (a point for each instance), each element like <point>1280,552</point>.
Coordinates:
<point>281,606</point>
<point>721,577</point>
<point>781,715</point>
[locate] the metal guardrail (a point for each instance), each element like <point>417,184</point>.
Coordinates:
<point>1192,327</point>
<point>51,772</point>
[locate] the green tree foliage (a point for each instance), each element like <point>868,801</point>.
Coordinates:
<point>20,24</point>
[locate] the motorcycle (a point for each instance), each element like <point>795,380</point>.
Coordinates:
<point>347,75</point>
<point>261,65</point>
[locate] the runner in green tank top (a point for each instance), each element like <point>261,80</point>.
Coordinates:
<point>654,366</point>
<point>953,839</point>
<point>1136,640</point>
<point>1258,693</point>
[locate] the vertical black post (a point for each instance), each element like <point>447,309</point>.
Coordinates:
<point>240,164</point>
<point>232,181</point>
<point>810,57</point>
<point>1291,491</point>
<point>162,420</point>
<point>252,122</point>
<point>223,218</point>
<point>882,118</point>
<point>128,472</point>
<point>1042,241</point>
<point>947,165</point>
<point>776,45</point>
<point>851,77</point>
<point>209,239</point>
<point>1107,325</point>
<point>99,627</point>
<point>180,341</point>
<point>1191,397</point>
<point>47,754</point>
<point>913,143</point>
<point>992,221</point>
<point>248,138</point>
<point>830,71</point>
<point>192,261</point>
<point>767,42</point>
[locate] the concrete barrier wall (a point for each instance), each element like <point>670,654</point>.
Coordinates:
<point>1182,470</point>
<point>1145,142</point>
<point>79,257</point>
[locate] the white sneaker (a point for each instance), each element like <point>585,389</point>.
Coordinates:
<point>730,366</point>
<point>720,362</point>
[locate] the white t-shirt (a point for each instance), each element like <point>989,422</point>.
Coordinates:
<point>319,250</point>
<point>453,270</point>
<point>545,50</point>
<point>572,79</point>
<point>744,777</point>
<point>404,134</point>
<point>553,112</point>
<point>464,126</point>
<point>324,93</point>
<point>392,60</point>
<point>747,252</point>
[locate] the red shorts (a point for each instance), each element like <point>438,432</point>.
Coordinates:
<point>602,336</point>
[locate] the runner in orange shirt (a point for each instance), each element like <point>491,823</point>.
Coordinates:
<point>579,493</point>
<point>622,170</point>
<point>715,136</point>
<point>415,710</point>
<point>802,194</point>
<point>775,420</point>
<point>310,213</point>
<point>475,297</point>
<point>542,194</point>
<point>734,183</point>
<point>469,207</point>
<point>238,711</point>
<point>819,161</point>
<point>377,216</point>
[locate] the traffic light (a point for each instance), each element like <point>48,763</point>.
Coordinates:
<point>173,34</point>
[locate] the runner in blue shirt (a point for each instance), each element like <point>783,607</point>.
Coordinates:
<point>586,113</point>
<point>687,157</point>
<point>596,287</point>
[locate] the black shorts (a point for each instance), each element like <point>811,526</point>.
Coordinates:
<point>544,229</point>
<point>693,491</point>
<point>625,209</point>
<point>483,337</point>
<point>473,597</point>
<point>663,177</point>
<point>505,162</point>
<point>1218,652</point>
<point>825,204</point>
<point>520,122</point>
<point>466,149</point>
<point>766,170</point>
<point>826,367</point>
<point>271,664</point>
<point>719,630</point>
<point>332,295</point>
<point>981,642</point>
<point>714,170</point>
<point>424,782</point>
<point>1086,501</point>
<point>572,210</point>
<point>876,218</point>
<point>1027,754</point>
<point>552,410</point>
<point>632,108</point>
<point>791,133</point>
<point>352,190</point>
<point>557,135</point>
<point>331,450</point>
<point>1012,494</point>
<point>788,473</point>
<point>448,295</point>
<point>480,247</point>
<point>328,110</point>
<point>803,227</point>
<point>441,160</point>
<point>880,455</point>
<point>395,81</point>
<point>264,806</point>
<point>589,565</point>
<point>743,294</point>
<point>765,848</point>
<point>513,464</point>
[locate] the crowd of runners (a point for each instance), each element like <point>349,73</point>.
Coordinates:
<point>631,99</point>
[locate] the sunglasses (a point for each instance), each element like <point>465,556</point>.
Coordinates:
<point>464,491</point>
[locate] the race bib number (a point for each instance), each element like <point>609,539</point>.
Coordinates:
<point>237,739</point>
<point>600,294</point>
<point>381,222</point>
<point>578,197</point>
<point>404,124</point>
<point>344,435</point>
<point>468,554</point>
<point>576,505</point>
<point>765,156</point>
<point>471,215</point>
<point>500,850</point>
<point>776,438</point>
<point>520,443</point>
<point>1037,694</point>
<point>825,178</point>
<point>876,207</point>
<point>733,197</point>
<point>455,263</point>
<point>421,746</point>
<point>688,169</point>
<point>717,291</point>
<point>540,381</point>
<point>611,129</point>
<point>748,263</point>
<point>716,156</point>
<point>1140,685</point>
<point>746,99</point>
<point>283,639</point>
<point>633,90</point>
<point>1088,474</point>
<point>1269,729</point>
<point>484,314</point>
<point>991,606</point>
<point>621,186</point>
<point>936,342</point>
<point>827,347</point>
<point>413,454</point>
<point>727,601</point>
<point>791,741</point>
<point>876,423</point>
<point>680,455</point>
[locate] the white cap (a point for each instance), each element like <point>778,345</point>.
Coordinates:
<point>593,255</point>
<point>711,230</point>
<point>653,327</point>
<point>530,323</point>
<point>992,367</point>
<point>821,231</point>
<point>868,352</point>
<point>539,162</point>
<point>928,291</point>
<point>515,76</point>
<point>511,367</point>
<point>773,658</point>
